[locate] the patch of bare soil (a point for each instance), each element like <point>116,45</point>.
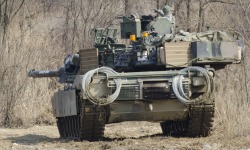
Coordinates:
<point>120,136</point>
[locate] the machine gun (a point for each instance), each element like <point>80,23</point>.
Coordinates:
<point>66,73</point>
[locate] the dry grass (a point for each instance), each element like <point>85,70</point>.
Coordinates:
<point>232,105</point>
<point>28,45</point>
<point>40,35</point>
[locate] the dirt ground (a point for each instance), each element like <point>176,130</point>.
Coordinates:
<point>120,136</point>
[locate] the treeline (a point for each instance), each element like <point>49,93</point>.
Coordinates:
<point>39,33</point>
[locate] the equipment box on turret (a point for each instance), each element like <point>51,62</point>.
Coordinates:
<point>215,52</point>
<point>174,54</point>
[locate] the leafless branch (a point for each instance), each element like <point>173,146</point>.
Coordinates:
<point>18,9</point>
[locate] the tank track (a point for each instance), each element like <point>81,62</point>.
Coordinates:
<point>88,125</point>
<point>198,124</point>
<point>200,121</point>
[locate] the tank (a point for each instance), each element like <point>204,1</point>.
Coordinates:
<point>160,76</point>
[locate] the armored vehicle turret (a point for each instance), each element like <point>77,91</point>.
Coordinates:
<point>161,76</point>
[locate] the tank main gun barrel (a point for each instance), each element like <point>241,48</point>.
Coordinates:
<point>44,73</point>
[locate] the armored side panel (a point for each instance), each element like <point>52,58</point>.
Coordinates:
<point>88,59</point>
<point>64,103</point>
<point>175,54</point>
